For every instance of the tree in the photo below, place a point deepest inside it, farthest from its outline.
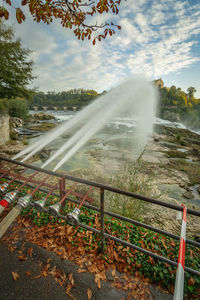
(15, 68)
(73, 14)
(191, 90)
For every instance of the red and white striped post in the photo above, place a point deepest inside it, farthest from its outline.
(179, 284)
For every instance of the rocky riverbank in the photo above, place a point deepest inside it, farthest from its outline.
(21, 131)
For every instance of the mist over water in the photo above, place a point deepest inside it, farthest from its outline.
(135, 98)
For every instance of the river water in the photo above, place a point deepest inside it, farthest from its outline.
(116, 139)
(108, 150)
(105, 153)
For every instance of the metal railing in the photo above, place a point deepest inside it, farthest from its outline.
(102, 188)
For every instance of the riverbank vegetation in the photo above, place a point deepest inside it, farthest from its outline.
(182, 106)
(73, 97)
(16, 73)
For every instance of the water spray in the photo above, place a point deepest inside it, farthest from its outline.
(65, 127)
(73, 217)
(134, 97)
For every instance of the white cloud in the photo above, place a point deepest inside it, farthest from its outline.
(157, 38)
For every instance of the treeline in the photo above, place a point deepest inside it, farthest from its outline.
(184, 104)
(74, 97)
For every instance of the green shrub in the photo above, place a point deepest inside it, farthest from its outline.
(2, 107)
(17, 108)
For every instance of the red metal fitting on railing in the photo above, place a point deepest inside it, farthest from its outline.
(4, 203)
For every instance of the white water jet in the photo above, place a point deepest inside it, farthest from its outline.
(65, 127)
(135, 98)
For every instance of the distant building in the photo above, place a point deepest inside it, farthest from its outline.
(159, 83)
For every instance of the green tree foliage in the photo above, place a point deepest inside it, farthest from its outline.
(18, 108)
(191, 90)
(14, 107)
(74, 97)
(15, 66)
(175, 100)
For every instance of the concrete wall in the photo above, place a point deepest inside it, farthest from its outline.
(4, 129)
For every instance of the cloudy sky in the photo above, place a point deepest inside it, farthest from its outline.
(159, 38)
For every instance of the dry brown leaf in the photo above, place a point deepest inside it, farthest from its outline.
(72, 296)
(22, 257)
(93, 269)
(98, 280)
(70, 277)
(116, 256)
(53, 271)
(28, 273)
(191, 281)
(37, 276)
(30, 252)
(12, 249)
(15, 276)
(68, 289)
(44, 273)
(69, 230)
(89, 293)
(113, 272)
(81, 270)
(99, 283)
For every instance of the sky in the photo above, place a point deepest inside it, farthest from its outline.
(158, 39)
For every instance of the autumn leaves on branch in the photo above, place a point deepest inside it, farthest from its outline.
(75, 14)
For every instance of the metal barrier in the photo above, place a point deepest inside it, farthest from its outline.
(102, 188)
(179, 283)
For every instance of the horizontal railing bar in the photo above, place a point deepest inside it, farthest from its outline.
(57, 195)
(24, 178)
(166, 260)
(82, 225)
(188, 241)
(150, 228)
(108, 188)
(156, 256)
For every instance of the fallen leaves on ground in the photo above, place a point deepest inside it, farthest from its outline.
(82, 247)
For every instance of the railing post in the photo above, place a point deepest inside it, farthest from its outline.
(102, 218)
(62, 187)
(179, 283)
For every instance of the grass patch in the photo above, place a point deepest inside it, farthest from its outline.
(176, 154)
(45, 126)
(132, 179)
